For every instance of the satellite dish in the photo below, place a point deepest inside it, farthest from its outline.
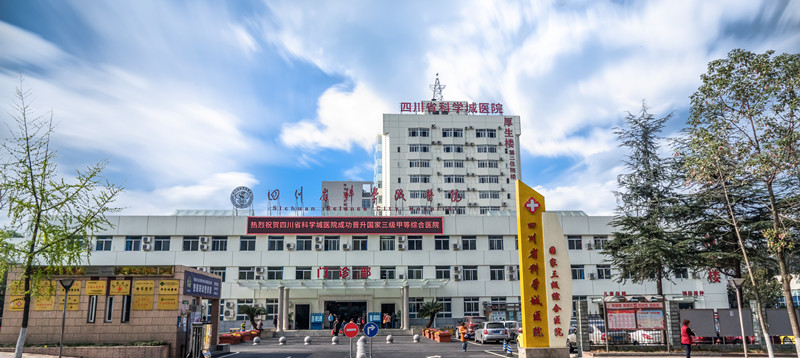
(241, 197)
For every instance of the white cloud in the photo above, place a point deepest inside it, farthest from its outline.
(359, 172)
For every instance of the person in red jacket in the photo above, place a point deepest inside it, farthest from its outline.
(686, 337)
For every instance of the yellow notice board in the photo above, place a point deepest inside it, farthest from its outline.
(119, 288)
(168, 287)
(75, 290)
(142, 303)
(16, 303)
(43, 303)
(167, 302)
(72, 304)
(16, 288)
(144, 288)
(96, 288)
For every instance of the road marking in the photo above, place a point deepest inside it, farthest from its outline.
(229, 354)
(499, 355)
(433, 357)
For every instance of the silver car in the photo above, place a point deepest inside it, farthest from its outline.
(491, 331)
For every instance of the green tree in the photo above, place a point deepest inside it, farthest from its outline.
(252, 312)
(644, 248)
(430, 310)
(744, 131)
(55, 215)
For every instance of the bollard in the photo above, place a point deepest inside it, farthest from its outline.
(508, 350)
(505, 345)
(389, 339)
(282, 341)
(307, 340)
(256, 341)
(361, 352)
(335, 340)
(416, 338)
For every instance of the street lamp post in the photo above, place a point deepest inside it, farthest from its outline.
(737, 285)
(67, 284)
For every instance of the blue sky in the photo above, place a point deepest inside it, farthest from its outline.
(191, 99)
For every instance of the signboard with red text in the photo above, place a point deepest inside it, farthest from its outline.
(257, 225)
(545, 277)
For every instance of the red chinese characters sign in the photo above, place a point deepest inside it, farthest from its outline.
(344, 225)
(447, 106)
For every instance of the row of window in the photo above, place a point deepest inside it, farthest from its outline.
(453, 132)
(451, 163)
(424, 178)
(450, 148)
(303, 243)
(575, 242)
(603, 272)
(466, 273)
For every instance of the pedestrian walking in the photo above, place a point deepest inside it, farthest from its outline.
(243, 326)
(686, 337)
(260, 325)
(462, 332)
(335, 330)
(275, 320)
(394, 320)
(330, 320)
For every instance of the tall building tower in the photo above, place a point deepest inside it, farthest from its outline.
(448, 158)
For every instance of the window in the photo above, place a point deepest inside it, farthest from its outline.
(472, 306)
(247, 243)
(489, 194)
(92, 316)
(495, 242)
(453, 163)
(161, 243)
(366, 203)
(219, 243)
(126, 309)
(455, 210)
(489, 209)
(247, 273)
(603, 272)
(452, 133)
(487, 164)
(359, 243)
(304, 243)
(419, 163)
(453, 148)
(414, 273)
(414, 243)
(219, 271)
(680, 272)
(133, 243)
(468, 243)
(417, 194)
(443, 272)
(485, 133)
(419, 178)
(470, 273)
(109, 314)
(447, 303)
(488, 179)
(414, 304)
(487, 148)
(387, 272)
(360, 272)
(574, 242)
(387, 243)
(274, 273)
(453, 178)
(331, 272)
(419, 132)
(272, 309)
(191, 243)
(331, 243)
(419, 148)
(275, 243)
(302, 273)
(441, 242)
(600, 242)
(240, 316)
(455, 193)
(103, 243)
(577, 272)
(496, 273)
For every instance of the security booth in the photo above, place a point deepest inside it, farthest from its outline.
(117, 304)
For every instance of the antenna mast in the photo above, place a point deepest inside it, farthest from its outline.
(437, 89)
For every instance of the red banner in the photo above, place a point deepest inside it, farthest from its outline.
(344, 225)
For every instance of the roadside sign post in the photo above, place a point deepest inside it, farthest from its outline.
(370, 330)
(351, 330)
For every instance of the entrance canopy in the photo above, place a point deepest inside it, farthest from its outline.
(332, 284)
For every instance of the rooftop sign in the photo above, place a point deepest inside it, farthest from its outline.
(410, 225)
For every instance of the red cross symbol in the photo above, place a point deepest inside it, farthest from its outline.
(532, 205)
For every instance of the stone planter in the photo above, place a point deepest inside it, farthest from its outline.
(443, 337)
(229, 339)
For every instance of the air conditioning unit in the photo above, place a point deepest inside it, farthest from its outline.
(204, 269)
(401, 276)
(457, 268)
(230, 315)
(231, 305)
(258, 305)
(505, 204)
(318, 239)
(471, 127)
(203, 247)
(457, 277)
(318, 247)
(456, 247)
(501, 159)
(147, 239)
(259, 277)
(346, 247)
(439, 173)
(401, 246)
(259, 270)
(438, 158)
(502, 174)
(589, 246)
(147, 247)
(289, 246)
(512, 276)
(592, 276)
(438, 142)
(205, 239)
(433, 126)
(401, 239)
